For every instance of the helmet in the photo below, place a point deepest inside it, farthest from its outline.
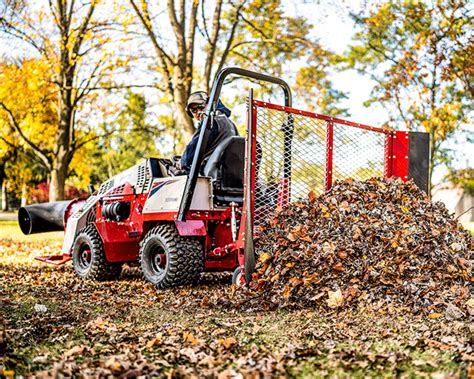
(198, 97)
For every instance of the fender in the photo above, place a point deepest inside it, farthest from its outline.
(191, 228)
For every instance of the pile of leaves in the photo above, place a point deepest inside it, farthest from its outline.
(375, 243)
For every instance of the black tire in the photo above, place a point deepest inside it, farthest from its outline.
(168, 259)
(88, 257)
(236, 277)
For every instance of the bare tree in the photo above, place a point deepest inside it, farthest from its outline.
(73, 35)
(178, 67)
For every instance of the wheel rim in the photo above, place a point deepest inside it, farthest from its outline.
(156, 260)
(84, 257)
(238, 281)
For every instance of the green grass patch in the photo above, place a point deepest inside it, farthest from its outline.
(9, 229)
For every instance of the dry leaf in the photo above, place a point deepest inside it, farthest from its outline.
(190, 339)
(155, 341)
(335, 299)
(312, 196)
(227, 342)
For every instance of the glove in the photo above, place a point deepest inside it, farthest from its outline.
(176, 171)
(176, 159)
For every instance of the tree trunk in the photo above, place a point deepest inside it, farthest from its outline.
(58, 179)
(5, 202)
(62, 147)
(183, 121)
(24, 195)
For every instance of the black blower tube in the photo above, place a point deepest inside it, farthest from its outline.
(42, 218)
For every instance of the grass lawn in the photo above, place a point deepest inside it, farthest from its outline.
(52, 323)
(9, 229)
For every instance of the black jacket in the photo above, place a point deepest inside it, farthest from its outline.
(222, 129)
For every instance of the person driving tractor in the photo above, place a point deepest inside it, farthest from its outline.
(223, 128)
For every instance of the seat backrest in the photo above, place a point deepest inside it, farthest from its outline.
(226, 166)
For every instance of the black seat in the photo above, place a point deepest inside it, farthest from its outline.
(226, 168)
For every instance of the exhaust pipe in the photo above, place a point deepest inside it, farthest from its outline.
(42, 218)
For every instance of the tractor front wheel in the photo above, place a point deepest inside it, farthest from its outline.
(168, 259)
(88, 257)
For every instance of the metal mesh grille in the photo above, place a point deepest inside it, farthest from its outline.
(357, 153)
(106, 186)
(292, 155)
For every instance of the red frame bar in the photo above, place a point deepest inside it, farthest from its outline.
(329, 154)
(388, 156)
(336, 120)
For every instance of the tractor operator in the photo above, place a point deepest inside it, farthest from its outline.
(223, 128)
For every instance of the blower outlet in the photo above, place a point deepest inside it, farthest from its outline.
(117, 211)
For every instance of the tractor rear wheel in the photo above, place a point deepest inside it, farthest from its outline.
(88, 257)
(168, 259)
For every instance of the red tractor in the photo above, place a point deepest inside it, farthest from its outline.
(176, 227)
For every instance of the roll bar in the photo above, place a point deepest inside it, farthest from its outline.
(208, 122)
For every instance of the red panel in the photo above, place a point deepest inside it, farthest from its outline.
(329, 153)
(222, 235)
(118, 245)
(191, 215)
(228, 263)
(191, 228)
(400, 148)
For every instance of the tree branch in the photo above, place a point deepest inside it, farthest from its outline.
(212, 40)
(163, 58)
(190, 44)
(10, 29)
(230, 40)
(14, 124)
(179, 34)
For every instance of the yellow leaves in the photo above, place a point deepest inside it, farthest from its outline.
(264, 257)
(435, 315)
(324, 211)
(329, 247)
(404, 209)
(470, 303)
(335, 299)
(299, 232)
(310, 279)
(190, 339)
(155, 341)
(357, 234)
(295, 281)
(274, 278)
(227, 343)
